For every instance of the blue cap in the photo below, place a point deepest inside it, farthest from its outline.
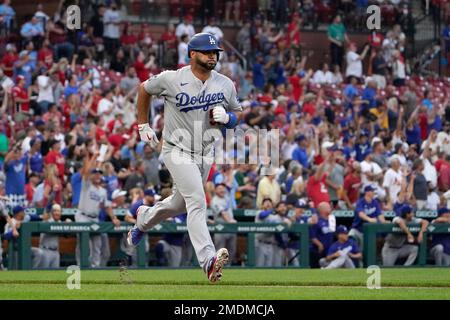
(254, 104)
(405, 210)
(39, 122)
(149, 192)
(341, 229)
(369, 188)
(344, 122)
(18, 209)
(301, 204)
(300, 138)
(364, 133)
(443, 211)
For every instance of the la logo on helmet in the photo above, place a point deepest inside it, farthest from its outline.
(211, 40)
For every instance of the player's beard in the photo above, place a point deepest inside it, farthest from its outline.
(206, 65)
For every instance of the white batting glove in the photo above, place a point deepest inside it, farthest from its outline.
(148, 135)
(220, 115)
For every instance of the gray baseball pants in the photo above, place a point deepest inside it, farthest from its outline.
(189, 176)
(390, 255)
(172, 253)
(440, 257)
(227, 240)
(264, 254)
(343, 261)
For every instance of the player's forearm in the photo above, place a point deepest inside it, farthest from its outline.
(364, 217)
(424, 225)
(401, 223)
(143, 103)
(355, 255)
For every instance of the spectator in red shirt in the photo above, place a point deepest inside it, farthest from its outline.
(30, 187)
(375, 39)
(443, 170)
(298, 79)
(142, 67)
(52, 186)
(316, 188)
(117, 122)
(45, 56)
(99, 131)
(293, 31)
(20, 96)
(169, 38)
(118, 139)
(309, 104)
(352, 184)
(8, 60)
(96, 97)
(54, 156)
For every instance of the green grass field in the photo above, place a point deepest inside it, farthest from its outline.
(432, 283)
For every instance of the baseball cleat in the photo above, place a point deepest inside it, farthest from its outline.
(216, 264)
(134, 236)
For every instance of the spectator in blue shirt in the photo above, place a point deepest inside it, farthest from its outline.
(24, 67)
(300, 153)
(8, 14)
(259, 78)
(350, 92)
(344, 253)
(33, 30)
(15, 167)
(368, 210)
(75, 182)
(363, 146)
(412, 130)
(73, 86)
(321, 234)
(34, 156)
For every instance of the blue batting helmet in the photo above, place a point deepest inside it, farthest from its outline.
(203, 42)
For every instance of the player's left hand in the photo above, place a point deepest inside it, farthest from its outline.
(220, 115)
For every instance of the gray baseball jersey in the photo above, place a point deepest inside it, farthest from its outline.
(219, 205)
(396, 240)
(187, 104)
(91, 200)
(49, 240)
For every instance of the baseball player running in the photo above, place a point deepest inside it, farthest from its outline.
(198, 102)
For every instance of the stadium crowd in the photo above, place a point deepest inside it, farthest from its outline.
(363, 133)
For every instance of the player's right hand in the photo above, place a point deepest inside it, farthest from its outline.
(148, 135)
